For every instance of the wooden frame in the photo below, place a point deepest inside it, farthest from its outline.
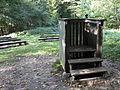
(76, 34)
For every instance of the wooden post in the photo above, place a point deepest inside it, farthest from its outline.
(99, 40)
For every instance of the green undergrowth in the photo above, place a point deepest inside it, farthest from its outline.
(111, 45)
(35, 47)
(56, 64)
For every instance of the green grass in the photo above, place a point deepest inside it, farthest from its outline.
(36, 47)
(56, 64)
(111, 45)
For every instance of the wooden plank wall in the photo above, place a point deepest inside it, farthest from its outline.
(80, 33)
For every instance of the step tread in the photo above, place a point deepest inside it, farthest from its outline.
(84, 60)
(81, 48)
(88, 79)
(87, 71)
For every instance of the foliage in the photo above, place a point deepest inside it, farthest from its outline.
(107, 9)
(39, 30)
(111, 45)
(56, 64)
(63, 10)
(19, 15)
(46, 12)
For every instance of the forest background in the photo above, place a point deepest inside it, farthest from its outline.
(19, 15)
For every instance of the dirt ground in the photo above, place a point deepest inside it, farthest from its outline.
(36, 73)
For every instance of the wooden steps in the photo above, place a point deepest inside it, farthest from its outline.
(86, 68)
(87, 71)
(84, 60)
(88, 74)
(84, 63)
(80, 49)
(88, 79)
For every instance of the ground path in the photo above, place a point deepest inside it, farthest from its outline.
(36, 73)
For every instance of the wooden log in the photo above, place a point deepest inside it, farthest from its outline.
(47, 38)
(16, 42)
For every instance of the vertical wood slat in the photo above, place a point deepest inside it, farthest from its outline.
(78, 34)
(99, 40)
(77, 29)
(70, 32)
(78, 37)
(75, 37)
(82, 37)
(73, 33)
(71, 36)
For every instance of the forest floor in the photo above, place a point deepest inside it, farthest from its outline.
(36, 73)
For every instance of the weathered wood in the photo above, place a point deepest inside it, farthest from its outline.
(99, 40)
(80, 49)
(16, 42)
(3, 37)
(80, 38)
(88, 79)
(47, 36)
(87, 71)
(7, 46)
(9, 39)
(50, 33)
(80, 19)
(84, 60)
(62, 42)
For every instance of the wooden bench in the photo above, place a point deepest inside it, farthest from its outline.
(9, 39)
(47, 36)
(16, 42)
(12, 44)
(3, 37)
(6, 42)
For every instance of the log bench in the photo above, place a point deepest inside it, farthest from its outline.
(12, 44)
(6, 42)
(48, 36)
(9, 39)
(3, 37)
